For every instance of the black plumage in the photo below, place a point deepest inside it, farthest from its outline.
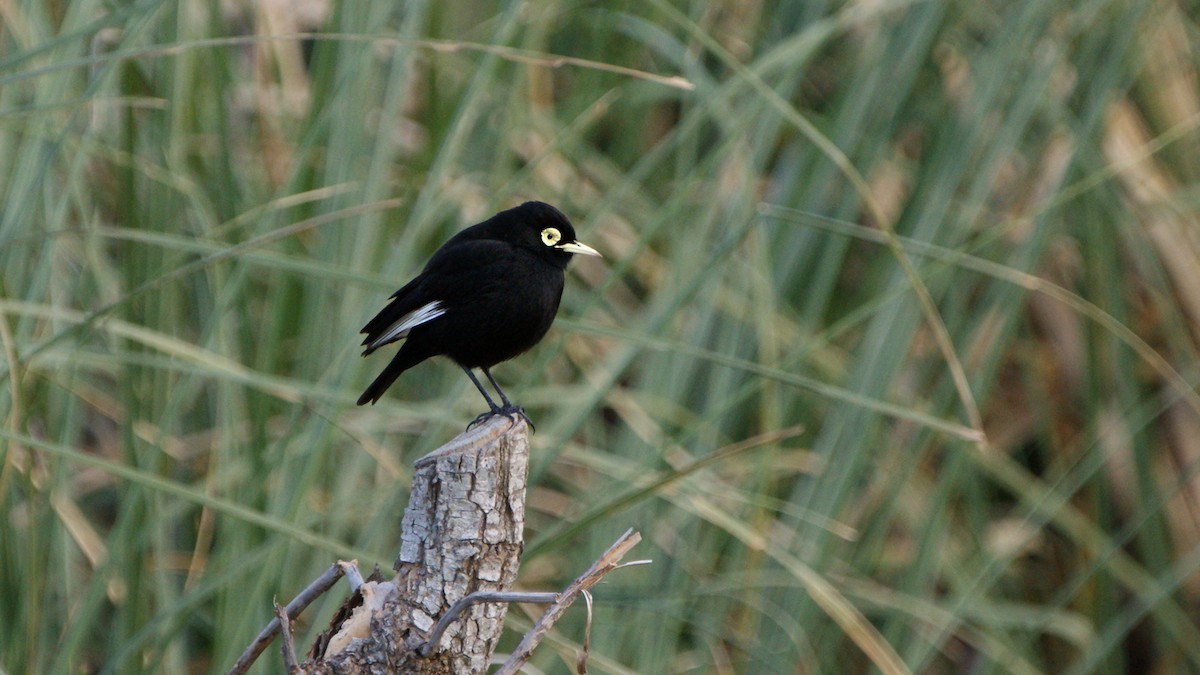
(487, 295)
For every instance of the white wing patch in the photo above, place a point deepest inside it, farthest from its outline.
(423, 314)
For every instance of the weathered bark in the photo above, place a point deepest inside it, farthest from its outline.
(462, 532)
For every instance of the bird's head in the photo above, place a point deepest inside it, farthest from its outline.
(545, 229)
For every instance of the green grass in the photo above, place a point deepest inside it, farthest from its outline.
(892, 356)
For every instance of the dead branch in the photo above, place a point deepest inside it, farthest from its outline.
(297, 605)
(608, 562)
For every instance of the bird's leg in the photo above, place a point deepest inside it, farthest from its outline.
(509, 408)
(507, 403)
(491, 404)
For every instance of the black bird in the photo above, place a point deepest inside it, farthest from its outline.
(487, 295)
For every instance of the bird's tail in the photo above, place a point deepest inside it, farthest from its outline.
(380, 385)
(402, 361)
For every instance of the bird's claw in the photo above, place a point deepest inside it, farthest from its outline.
(512, 412)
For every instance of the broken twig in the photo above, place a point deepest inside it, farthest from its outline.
(608, 562)
(297, 605)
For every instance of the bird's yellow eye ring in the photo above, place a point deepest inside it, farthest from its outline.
(551, 236)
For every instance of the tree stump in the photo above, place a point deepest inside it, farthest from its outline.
(462, 533)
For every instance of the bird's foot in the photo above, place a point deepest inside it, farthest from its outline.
(512, 412)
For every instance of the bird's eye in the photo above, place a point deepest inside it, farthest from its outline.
(551, 236)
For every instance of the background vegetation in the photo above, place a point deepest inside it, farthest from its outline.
(891, 358)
